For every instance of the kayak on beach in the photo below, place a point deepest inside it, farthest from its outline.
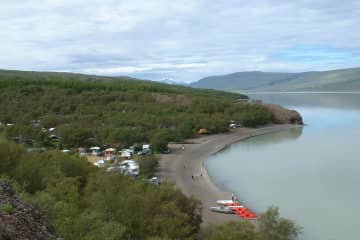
(225, 202)
(230, 206)
(222, 209)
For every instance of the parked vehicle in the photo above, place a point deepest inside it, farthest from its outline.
(155, 180)
(234, 125)
(130, 167)
(100, 163)
(146, 151)
(167, 151)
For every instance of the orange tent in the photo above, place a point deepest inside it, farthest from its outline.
(203, 131)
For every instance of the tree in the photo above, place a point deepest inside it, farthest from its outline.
(10, 155)
(274, 227)
(75, 135)
(241, 230)
(269, 226)
(160, 139)
(147, 164)
(143, 208)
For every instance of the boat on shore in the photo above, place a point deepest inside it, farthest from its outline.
(222, 209)
(229, 203)
(225, 202)
(230, 206)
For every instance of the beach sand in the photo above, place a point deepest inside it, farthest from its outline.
(181, 165)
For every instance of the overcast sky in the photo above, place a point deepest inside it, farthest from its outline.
(179, 40)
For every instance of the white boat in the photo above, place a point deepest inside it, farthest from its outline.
(236, 206)
(225, 202)
(222, 209)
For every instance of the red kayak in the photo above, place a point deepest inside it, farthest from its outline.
(238, 209)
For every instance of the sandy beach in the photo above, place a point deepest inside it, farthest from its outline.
(185, 167)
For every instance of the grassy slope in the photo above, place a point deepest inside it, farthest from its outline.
(241, 80)
(336, 80)
(123, 83)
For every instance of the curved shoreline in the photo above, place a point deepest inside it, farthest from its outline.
(186, 167)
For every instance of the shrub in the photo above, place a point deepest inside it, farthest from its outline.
(7, 208)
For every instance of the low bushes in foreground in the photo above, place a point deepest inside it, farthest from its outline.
(270, 226)
(83, 202)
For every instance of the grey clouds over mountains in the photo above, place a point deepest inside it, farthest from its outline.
(178, 40)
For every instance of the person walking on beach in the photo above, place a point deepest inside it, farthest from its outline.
(183, 147)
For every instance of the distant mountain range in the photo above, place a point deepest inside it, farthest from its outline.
(335, 80)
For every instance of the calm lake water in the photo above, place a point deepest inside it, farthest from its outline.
(312, 173)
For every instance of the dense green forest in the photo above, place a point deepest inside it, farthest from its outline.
(84, 202)
(91, 110)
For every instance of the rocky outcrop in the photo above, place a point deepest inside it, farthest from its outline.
(284, 115)
(19, 220)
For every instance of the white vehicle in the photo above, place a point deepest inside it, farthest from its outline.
(126, 152)
(134, 170)
(234, 125)
(130, 167)
(95, 151)
(155, 180)
(146, 151)
(100, 163)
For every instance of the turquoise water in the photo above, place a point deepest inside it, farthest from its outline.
(312, 173)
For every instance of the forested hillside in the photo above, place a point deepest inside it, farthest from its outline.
(83, 202)
(85, 110)
(54, 111)
(335, 80)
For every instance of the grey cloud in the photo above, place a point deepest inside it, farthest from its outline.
(141, 36)
(103, 59)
